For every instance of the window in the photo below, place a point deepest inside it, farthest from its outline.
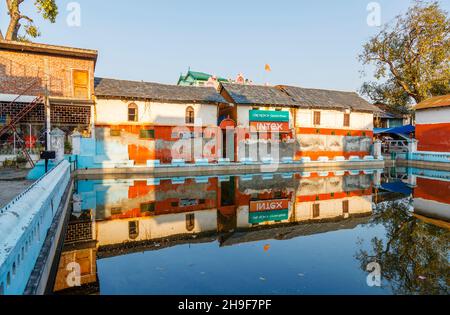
(80, 84)
(345, 206)
(115, 132)
(148, 207)
(346, 120)
(147, 134)
(190, 117)
(316, 210)
(190, 222)
(132, 112)
(116, 211)
(316, 118)
(133, 229)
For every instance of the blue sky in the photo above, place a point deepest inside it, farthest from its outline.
(307, 43)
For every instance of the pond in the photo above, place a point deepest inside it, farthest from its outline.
(331, 232)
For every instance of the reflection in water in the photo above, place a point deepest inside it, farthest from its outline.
(413, 256)
(157, 217)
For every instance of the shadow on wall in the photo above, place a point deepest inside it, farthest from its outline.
(16, 78)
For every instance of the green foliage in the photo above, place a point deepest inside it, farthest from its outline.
(411, 57)
(21, 159)
(67, 147)
(413, 256)
(32, 30)
(48, 9)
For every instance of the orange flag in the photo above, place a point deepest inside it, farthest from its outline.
(268, 69)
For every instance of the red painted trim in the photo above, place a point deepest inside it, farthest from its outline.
(337, 196)
(433, 137)
(336, 132)
(314, 155)
(432, 189)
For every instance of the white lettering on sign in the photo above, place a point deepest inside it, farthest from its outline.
(271, 126)
(278, 205)
(269, 205)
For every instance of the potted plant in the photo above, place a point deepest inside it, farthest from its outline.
(67, 147)
(21, 161)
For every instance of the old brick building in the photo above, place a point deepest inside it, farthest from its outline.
(58, 80)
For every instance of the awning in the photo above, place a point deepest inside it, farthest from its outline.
(398, 187)
(403, 130)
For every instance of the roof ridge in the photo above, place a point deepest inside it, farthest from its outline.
(155, 83)
(317, 89)
(43, 45)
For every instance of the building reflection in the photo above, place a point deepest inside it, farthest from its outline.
(122, 216)
(431, 196)
(429, 191)
(414, 253)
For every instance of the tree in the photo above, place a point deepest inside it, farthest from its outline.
(411, 57)
(47, 8)
(413, 256)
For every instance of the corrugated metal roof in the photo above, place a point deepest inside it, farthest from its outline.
(156, 91)
(437, 101)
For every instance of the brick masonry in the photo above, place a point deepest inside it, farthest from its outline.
(19, 70)
(44, 71)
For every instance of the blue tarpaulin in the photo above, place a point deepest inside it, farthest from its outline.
(403, 130)
(398, 187)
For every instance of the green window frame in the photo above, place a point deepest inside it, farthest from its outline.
(148, 207)
(115, 132)
(147, 134)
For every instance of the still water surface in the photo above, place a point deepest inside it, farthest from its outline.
(290, 233)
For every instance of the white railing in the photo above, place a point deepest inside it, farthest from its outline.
(395, 146)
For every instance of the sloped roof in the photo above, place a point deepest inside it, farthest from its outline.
(437, 101)
(386, 112)
(48, 49)
(258, 95)
(156, 91)
(317, 98)
(198, 76)
(202, 76)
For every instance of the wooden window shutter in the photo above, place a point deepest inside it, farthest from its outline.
(316, 118)
(81, 84)
(316, 210)
(345, 207)
(346, 120)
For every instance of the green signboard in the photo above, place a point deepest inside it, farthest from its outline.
(269, 116)
(268, 216)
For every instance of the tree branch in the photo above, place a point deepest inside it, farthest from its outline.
(15, 15)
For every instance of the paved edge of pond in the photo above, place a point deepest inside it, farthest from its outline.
(441, 166)
(12, 183)
(232, 169)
